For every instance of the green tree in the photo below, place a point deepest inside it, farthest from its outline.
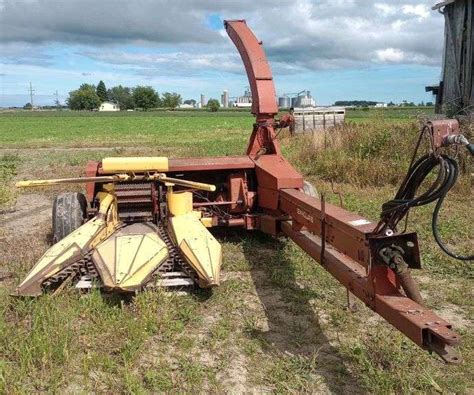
(84, 98)
(170, 100)
(213, 105)
(145, 97)
(102, 91)
(190, 101)
(122, 95)
(28, 106)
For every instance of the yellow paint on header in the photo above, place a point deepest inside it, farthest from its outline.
(180, 203)
(134, 164)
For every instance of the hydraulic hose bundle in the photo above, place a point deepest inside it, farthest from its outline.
(393, 211)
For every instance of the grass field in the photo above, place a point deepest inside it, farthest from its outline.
(278, 323)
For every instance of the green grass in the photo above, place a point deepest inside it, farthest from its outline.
(394, 114)
(8, 169)
(221, 134)
(278, 323)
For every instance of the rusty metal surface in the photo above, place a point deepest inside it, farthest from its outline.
(92, 167)
(346, 270)
(346, 231)
(421, 325)
(237, 192)
(263, 139)
(135, 201)
(258, 69)
(274, 172)
(410, 253)
(267, 198)
(205, 164)
(441, 129)
(410, 286)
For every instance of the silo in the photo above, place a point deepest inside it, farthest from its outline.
(305, 100)
(284, 102)
(225, 98)
(203, 101)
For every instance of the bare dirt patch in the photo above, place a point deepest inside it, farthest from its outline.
(456, 316)
(30, 212)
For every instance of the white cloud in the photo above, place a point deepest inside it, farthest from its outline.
(385, 9)
(398, 24)
(420, 10)
(297, 34)
(390, 55)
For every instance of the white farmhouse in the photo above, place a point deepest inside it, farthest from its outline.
(108, 106)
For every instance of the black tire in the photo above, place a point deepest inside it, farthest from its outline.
(309, 189)
(69, 212)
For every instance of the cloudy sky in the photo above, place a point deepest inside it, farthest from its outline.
(337, 49)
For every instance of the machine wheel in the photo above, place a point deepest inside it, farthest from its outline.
(309, 189)
(69, 212)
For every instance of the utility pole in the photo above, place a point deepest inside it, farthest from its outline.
(31, 95)
(56, 95)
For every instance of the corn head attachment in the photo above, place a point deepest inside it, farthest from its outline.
(144, 222)
(127, 255)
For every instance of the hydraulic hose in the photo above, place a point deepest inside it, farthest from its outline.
(396, 209)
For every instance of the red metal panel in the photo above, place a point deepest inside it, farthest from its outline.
(419, 324)
(92, 167)
(347, 271)
(267, 198)
(414, 320)
(257, 67)
(346, 231)
(274, 172)
(217, 163)
(441, 129)
(269, 224)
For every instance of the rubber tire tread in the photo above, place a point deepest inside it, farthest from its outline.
(69, 212)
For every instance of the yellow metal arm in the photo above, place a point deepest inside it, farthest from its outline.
(118, 178)
(186, 183)
(57, 181)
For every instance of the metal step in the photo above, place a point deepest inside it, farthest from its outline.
(175, 282)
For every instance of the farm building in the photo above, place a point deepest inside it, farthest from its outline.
(455, 92)
(185, 106)
(108, 106)
(311, 119)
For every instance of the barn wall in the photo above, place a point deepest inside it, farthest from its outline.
(457, 91)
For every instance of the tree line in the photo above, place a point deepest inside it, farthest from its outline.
(90, 97)
(368, 103)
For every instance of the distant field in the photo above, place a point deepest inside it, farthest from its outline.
(221, 133)
(402, 114)
(277, 324)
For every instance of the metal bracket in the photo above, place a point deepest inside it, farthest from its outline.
(406, 243)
